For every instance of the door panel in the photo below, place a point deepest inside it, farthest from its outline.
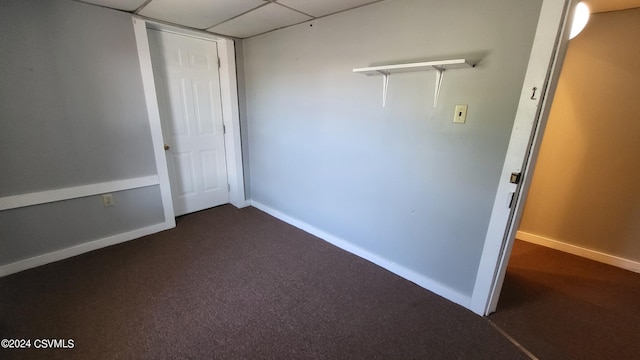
(209, 171)
(542, 72)
(202, 95)
(188, 87)
(184, 184)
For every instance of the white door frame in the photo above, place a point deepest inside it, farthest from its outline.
(545, 63)
(230, 111)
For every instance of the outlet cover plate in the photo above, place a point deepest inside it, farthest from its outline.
(107, 200)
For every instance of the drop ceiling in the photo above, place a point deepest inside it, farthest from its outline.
(246, 18)
(235, 18)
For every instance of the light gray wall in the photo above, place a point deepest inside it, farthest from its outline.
(35, 230)
(71, 99)
(72, 112)
(244, 126)
(402, 182)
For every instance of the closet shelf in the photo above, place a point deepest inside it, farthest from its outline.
(439, 66)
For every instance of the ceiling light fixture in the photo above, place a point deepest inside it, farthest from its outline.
(580, 19)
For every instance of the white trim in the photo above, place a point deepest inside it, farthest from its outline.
(178, 30)
(421, 280)
(80, 249)
(73, 192)
(231, 118)
(595, 255)
(542, 73)
(148, 83)
(230, 111)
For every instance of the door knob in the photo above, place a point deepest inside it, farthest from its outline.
(167, 147)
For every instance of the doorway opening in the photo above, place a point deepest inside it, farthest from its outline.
(228, 100)
(188, 87)
(573, 280)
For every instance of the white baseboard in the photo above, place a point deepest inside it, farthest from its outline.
(241, 204)
(580, 251)
(395, 268)
(39, 260)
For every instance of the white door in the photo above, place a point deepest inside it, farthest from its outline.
(535, 101)
(187, 82)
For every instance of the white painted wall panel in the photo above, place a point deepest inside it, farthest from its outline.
(403, 182)
(71, 98)
(36, 230)
(73, 116)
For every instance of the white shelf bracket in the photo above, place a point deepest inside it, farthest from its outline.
(439, 66)
(439, 76)
(385, 87)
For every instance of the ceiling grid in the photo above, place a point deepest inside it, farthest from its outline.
(247, 18)
(234, 18)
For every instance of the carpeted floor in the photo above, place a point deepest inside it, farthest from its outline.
(561, 306)
(235, 284)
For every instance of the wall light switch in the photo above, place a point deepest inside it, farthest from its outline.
(460, 117)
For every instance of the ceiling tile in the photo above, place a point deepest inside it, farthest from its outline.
(126, 5)
(199, 14)
(269, 17)
(325, 7)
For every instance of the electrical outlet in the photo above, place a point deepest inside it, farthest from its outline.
(107, 200)
(460, 117)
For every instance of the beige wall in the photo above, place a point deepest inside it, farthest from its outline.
(586, 186)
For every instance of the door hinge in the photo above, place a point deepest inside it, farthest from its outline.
(224, 129)
(228, 187)
(219, 63)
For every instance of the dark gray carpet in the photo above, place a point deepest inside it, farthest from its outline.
(236, 284)
(561, 306)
